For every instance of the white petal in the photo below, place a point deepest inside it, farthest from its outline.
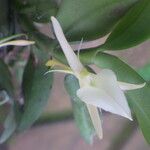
(17, 43)
(129, 86)
(72, 59)
(95, 117)
(101, 99)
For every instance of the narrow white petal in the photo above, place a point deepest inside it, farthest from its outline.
(72, 59)
(95, 117)
(99, 98)
(17, 43)
(129, 86)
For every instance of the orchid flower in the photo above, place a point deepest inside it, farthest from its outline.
(98, 91)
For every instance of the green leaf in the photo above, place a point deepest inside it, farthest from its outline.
(139, 99)
(36, 90)
(90, 19)
(39, 10)
(123, 71)
(132, 29)
(9, 126)
(81, 113)
(5, 79)
(42, 42)
(141, 105)
(145, 72)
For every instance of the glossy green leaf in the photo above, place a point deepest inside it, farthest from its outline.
(139, 99)
(5, 79)
(81, 113)
(36, 90)
(132, 29)
(89, 19)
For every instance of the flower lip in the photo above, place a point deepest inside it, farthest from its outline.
(99, 98)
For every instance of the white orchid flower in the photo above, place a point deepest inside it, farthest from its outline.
(98, 91)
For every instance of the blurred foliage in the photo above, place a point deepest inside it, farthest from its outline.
(9, 126)
(91, 19)
(132, 29)
(4, 18)
(36, 88)
(6, 79)
(38, 10)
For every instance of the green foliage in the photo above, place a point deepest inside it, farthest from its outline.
(81, 113)
(91, 19)
(4, 22)
(132, 29)
(145, 72)
(36, 90)
(42, 42)
(38, 10)
(9, 126)
(141, 105)
(5, 79)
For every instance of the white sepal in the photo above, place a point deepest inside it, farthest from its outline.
(71, 57)
(128, 86)
(95, 117)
